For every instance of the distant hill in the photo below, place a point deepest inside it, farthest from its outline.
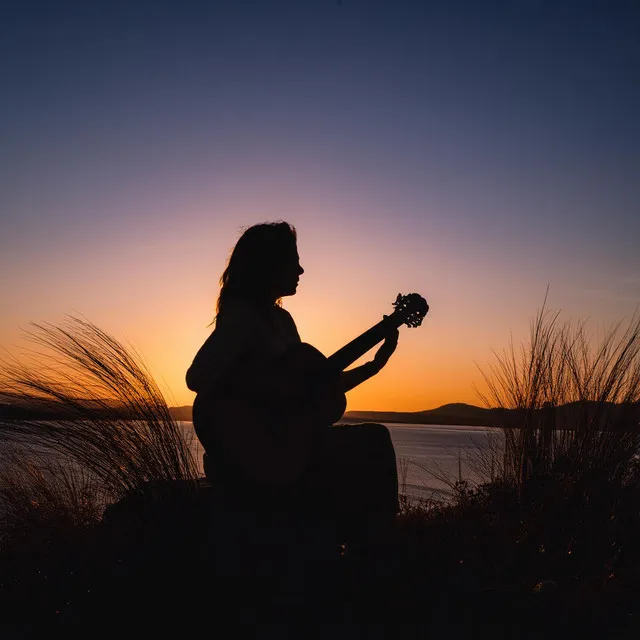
(628, 416)
(453, 414)
(16, 407)
(181, 413)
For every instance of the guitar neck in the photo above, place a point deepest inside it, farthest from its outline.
(348, 354)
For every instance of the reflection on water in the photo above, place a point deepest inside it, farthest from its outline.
(430, 457)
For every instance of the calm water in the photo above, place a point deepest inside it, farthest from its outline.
(430, 456)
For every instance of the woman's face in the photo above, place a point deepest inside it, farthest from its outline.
(286, 279)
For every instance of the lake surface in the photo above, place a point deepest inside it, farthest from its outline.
(430, 457)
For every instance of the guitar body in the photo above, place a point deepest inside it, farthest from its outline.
(313, 382)
(309, 390)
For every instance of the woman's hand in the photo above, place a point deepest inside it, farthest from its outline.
(353, 377)
(386, 349)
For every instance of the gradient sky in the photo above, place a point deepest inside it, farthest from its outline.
(472, 152)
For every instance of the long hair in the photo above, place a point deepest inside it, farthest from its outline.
(254, 263)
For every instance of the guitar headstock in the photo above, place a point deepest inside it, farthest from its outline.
(410, 309)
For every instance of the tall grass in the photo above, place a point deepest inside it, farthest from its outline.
(571, 409)
(42, 497)
(573, 400)
(111, 432)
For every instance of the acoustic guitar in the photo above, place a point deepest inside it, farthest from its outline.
(311, 378)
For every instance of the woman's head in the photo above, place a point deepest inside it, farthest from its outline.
(263, 266)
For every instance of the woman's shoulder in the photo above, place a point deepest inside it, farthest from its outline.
(282, 312)
(237, 313)
(242, 313)
(285, 320)
(283, 315)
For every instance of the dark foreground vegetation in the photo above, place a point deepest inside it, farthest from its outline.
(562, 565)
(117, 536)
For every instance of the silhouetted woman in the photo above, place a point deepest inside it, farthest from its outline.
(268, 447)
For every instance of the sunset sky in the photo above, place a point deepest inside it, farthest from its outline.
(472, 152)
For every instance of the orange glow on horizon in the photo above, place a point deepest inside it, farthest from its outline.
(423, 373)
(160, 296)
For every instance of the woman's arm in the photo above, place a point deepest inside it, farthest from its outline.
(353, 377)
